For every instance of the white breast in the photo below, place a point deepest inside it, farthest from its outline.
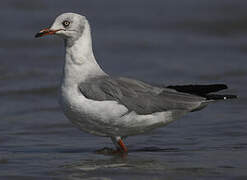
(96, 117)
(109, 118)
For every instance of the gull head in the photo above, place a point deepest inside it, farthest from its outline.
(67, 26)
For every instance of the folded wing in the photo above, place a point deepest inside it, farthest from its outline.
(139, 96)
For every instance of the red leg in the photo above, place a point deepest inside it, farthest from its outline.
(122, 145)
(118, 142)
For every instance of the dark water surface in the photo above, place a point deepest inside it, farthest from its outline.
(169, 42)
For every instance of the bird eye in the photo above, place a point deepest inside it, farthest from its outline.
(66, 23)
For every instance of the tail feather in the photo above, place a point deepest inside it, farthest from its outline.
(204, 90)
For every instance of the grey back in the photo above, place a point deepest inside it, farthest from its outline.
(138, 96)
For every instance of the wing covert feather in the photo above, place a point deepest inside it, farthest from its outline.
(138, 96)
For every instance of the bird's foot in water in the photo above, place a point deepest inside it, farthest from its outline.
(110, 151)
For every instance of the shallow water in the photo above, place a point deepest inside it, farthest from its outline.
(169, 42)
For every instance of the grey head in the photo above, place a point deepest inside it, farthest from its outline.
(69, 26)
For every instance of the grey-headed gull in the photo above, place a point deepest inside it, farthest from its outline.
(116, 107)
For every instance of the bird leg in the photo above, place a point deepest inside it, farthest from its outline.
(118, 142)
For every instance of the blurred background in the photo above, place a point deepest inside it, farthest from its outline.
(166, 42)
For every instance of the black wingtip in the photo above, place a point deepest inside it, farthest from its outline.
(199, 89)
(220, 96)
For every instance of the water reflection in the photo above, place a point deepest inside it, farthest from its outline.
(135, 166)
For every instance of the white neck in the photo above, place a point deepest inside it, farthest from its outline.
(80, 63)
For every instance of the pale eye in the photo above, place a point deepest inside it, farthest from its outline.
(66, 23)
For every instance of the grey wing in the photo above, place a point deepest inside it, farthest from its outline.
(139, 96)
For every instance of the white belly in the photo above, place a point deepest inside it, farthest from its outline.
(109, 118)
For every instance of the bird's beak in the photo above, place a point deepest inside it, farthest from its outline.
(45, 32)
